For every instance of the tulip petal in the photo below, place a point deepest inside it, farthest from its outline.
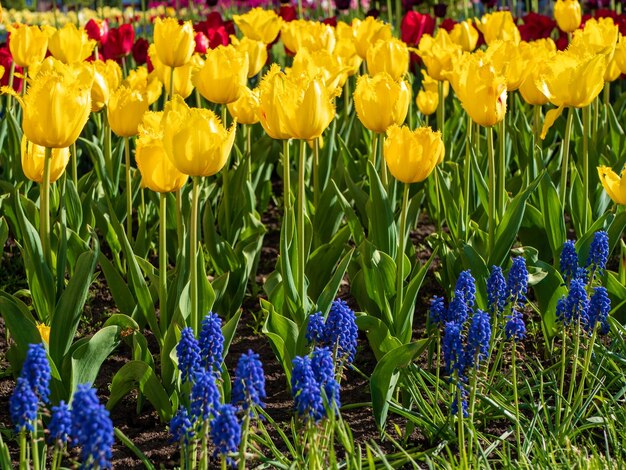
(551, 117)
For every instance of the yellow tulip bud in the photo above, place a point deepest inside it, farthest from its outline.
(125, 111)
(245, 109)
(411, 156)
(427, 102)
(481, 90)
(309, 108)
(44, 330)
(33, 159)
(107, 77)
(28, 44)
(612, 72)
(439, 54)
(391, 56)
(174, 42)
(57, 105)
(432, 85)
(507, 59)
(272, 95)
(259, 25)
(465, 35)
(614, 185)
(368, 32)
(310, 34)
(70, 44)
(256, 52)
(224, 72)
(498, 25)
(380, 101)
(568, 15)
(195, 140)
(157, 171)
(183, 75)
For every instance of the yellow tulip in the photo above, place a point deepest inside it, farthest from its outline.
(44, 330)
(599, 36)
(507, 59)
(310, 34)
(259, 24)
(256, 52)
(174, 42)
(498, 25)
(465, 35)
(70, 44)
(309, 107)
(481, 90)
(345, 52)
(411, 156)
(195, 140)
(320, 63)
(427, 102)
(28, 44)
(147, 83)
(368, 32)
(157, 171)
(245, 109)
(183, 84)
(33, 159)
(125, 111)
(535, 53)
(380, 101)
(620, 54)
(568, 15)
(56, 106)
(612, 71)
(272, 95)
(224, 72)
(432, 85)
(614, 185)
(391, 56)
(439, 54)
(107, 77)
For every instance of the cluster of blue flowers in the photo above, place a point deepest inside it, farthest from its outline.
(200, 363)
(337, 332)
(314, 386)
(586, 303)
(87, 424)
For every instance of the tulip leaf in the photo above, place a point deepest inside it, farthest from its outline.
(381, 226)
(554, 223)
(283, 334)
(20, 324)
(329, 293)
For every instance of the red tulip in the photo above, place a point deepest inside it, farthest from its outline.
(140, 51)
(536, 26)
(6, 60)
(447, 24)
(287, 12)
(97, 30)
(119, 42)
(415, 25)
(202, 43)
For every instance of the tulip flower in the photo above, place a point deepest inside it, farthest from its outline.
(183, 84)
(535, 53)
(427, 102)
(198, 145)
(259, 25)
(498, 25)
(174, 42)
(599, 36)
(140, 51)
(381, 102)
(272, 95)
(507, 59)
(391, 56)
(70, 44)
(368, 32)
(245, 109)
(310, 34)
(320, 63)
(346, 55)
(620, 54)
(432, 85)
(146, 83)
(118, 43)
(568, 15)
(415, 25)
(44, 332)
(614, 185)
(107, 78)
(97, 30)
(256, 52)
(439, 54)
(224, 72)
(33, 160)
(310, 108)
(28, 44)
(125, 111)
(465, 35)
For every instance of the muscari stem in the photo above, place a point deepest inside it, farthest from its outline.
(501, 167)
(518, 432)
(467, 176)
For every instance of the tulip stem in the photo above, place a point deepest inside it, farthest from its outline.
(286, 178)
(467, 175)
(501, 167)
(373, 155)
(107, 146)
(44, 208)
(538, 163)
(301, 213)
(193, 254)
(383, 166)
(492, 187)
(129, 192)
(441, 110)
(163, 260)
(565, 159)
(316, 176)
(226, 185)
(179, 220)
(400, 257)
(74, 166)
(586, 199)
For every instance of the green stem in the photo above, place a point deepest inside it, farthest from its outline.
(193, 254)
(301, 213)
(44, 209)
(204, 450)
(383, 165)
(583, 377)
(537, 162)
(163, 261)
(74, 166)
(316, 181)
(23, 463)
(501, 167)
(572, 383)
(223, 458)
(244, 441)
(400, 257)
(559, 397)
(374, 153)
(107, 146)
(565, 158)
(441, 111)
(35, 446)
(586, 198)
(466, 176)
(129, 192)
(492, 189)
(461, 429)
(286, 179)
(180, 229)
(518, 428)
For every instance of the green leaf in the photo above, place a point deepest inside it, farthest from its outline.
(123, 297)
(382, 227)
(20, 323)
(283, 334)
(552, 211)
(330, 290)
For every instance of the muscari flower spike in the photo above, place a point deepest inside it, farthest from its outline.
(478, 338)
(437, 313)
(341, 330)
(84, 400)
(188, 353)
(226, 431)
(249, 385)
(60, 425)
(452, 348)
(458, 311)
(181, 427)
(574, 307)
(212, 343)
(517, 283)
(569, 261)
(598, 254)
(23, 405)
(205, 396)
(496, 291)
(599, 308)
(36, 370)
(515, 328)
(306, 390)
(324, 372)
(315, 330)
(466, 287)
(454, 406)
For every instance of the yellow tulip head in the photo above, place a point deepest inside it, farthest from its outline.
(125, 111)
(498, 26)
(465, 35)
(44, 330)
(320, 63)
(157, 171)
(620, 54)
(174, 42)
(368, 32)
(224, 72)
(427, 102)
(28, 44)
(272, 95)
(568, 15)
(614, 185)
(507, 59)
(345, 52)
(310, 34)
(391, 56)
(259, 25)
(147, 83)
(183, 75)
(309, 108)
(481, 90)
(411, 156)
(70, 44)
(195, 140)
(245, 109)
(535, 53)
(432, 85)
(107, 77)
(33, 159)
(380, 101)
(599, 36)
(439, 54)
(256, 52)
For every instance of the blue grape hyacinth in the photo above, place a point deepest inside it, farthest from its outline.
(36, 370)
(249, 385)
(324, 372)
(341, 330)
(453, 349)
(212, 343)
(575, 307)
(188, 353)
(458, 310)
(316, 329)
(517, 282)
(598, 254)
(515, 328)
(307, 394)
(496, 291)
(181, 426)
(437, 313)
(478, 338)
(205, 396)
(60, 425)
(226, 431)
(23, 405)
(569, 261)
(466, 287)
(599, 308)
